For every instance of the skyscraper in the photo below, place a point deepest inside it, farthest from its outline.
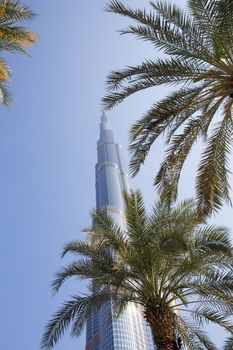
(129, 331)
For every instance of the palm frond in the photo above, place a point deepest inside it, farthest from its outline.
(14, 11)
(106, 233)
(228, 345)
(164, 35)
(78, 309)
(204, 314)
(168, 176)
(212, 180)
(135, 214)
(149, 74)
(211, 237)
(214, 20)
(205, 13)
(13, 38)
(159, 119)
(181, 19)
(5, 95)
(61, 320)
(192, 336)
(100, 263)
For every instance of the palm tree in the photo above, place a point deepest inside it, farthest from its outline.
(198, 48)
(13, 38)
(168, 263)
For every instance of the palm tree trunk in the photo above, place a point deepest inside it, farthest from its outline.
(163, 328)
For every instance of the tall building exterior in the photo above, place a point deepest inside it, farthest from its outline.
(104, 331)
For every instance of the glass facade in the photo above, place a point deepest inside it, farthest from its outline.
(103, 331)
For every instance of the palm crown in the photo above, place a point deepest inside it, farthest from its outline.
(198, 48)
(12, 38)
(164, 263)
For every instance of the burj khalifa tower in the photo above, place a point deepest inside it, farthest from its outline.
(129, 331)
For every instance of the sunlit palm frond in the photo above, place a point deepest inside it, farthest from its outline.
(13, 38)
(14, 11)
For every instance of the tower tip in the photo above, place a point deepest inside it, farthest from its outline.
(104, 117)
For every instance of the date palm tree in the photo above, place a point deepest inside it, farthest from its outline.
(13, 38)
(168, 263)
(197, 47)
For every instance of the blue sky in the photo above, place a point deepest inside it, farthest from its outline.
(48, 152)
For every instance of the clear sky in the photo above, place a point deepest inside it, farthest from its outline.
(48, 152)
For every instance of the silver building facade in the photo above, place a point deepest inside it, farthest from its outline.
(103, 331)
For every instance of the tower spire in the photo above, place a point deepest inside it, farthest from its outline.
(104, 118)
(104, 126)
